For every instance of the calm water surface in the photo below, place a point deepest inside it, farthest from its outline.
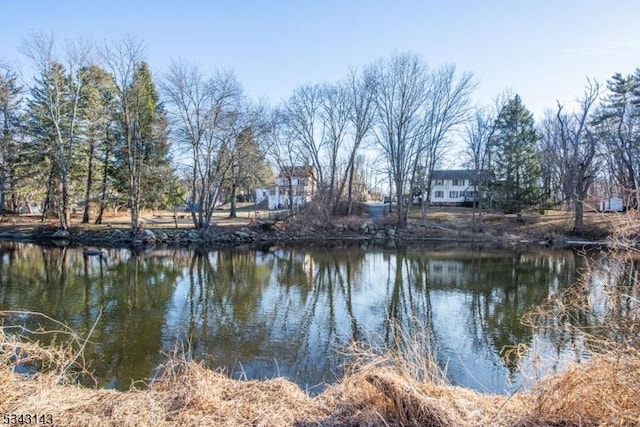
(286, 312)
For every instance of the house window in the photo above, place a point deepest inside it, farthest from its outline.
(439, 182)
(453, 194)
(438, 195)
(458, 182)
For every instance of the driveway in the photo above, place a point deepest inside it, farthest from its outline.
(375, 210)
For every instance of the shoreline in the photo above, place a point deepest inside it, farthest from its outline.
(265, 235)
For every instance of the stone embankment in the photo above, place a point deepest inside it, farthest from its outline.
(144, 238)
(266, 234)
(227, 236)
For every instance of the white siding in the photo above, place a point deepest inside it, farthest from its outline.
(449, 190)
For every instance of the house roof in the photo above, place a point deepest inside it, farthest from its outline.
(454, 174)
(303, 171)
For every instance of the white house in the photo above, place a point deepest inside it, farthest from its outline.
(455, 186)
(299, 180)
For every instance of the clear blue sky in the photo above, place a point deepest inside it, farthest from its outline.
(543, 49)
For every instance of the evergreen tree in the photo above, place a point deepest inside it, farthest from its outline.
(55, 123)
(142, 162)
(10, 126)
(53, 109)
(97, 104)
(157, 179)
(517, 160)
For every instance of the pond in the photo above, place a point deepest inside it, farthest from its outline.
(287, 311)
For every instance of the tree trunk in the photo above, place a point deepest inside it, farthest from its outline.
(87, 194)
(350, 191)
(233, 211)
(478, 205)
(402, 219)
(390, 194)
(578, 224)
(103, 193)
(426, 196)
(196, 219)
(65, 219)
(291, 207)
(134, 197)
(135, 219)
(47, 200)
(175, 216)
(3, 180)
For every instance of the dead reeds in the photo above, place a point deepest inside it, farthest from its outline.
(379, 391)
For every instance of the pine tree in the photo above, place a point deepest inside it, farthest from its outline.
(53, 124)
(10, 126)
(157, 178)
(97, 104)
(517, 160)
(142, 161)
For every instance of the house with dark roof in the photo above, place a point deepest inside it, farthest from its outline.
(453, 187)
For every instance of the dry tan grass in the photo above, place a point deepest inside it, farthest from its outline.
(600, 392)
(603, 391)
(399, 388)
(381, 395)
(194, 396)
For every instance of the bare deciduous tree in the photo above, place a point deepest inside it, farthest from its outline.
(281, 149)
(416, 111)
(303, 118)
(400, 87)
(479, 149)
(199, 107)
(479, 133)
(329, 123)
(447, 107)
(618, 124)
(244, 128)
(551, 173)
(361, 117)
(577, 149)
(334, 114)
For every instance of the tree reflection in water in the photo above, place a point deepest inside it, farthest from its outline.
(286, 311)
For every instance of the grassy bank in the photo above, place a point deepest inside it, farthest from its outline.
(376, 391)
